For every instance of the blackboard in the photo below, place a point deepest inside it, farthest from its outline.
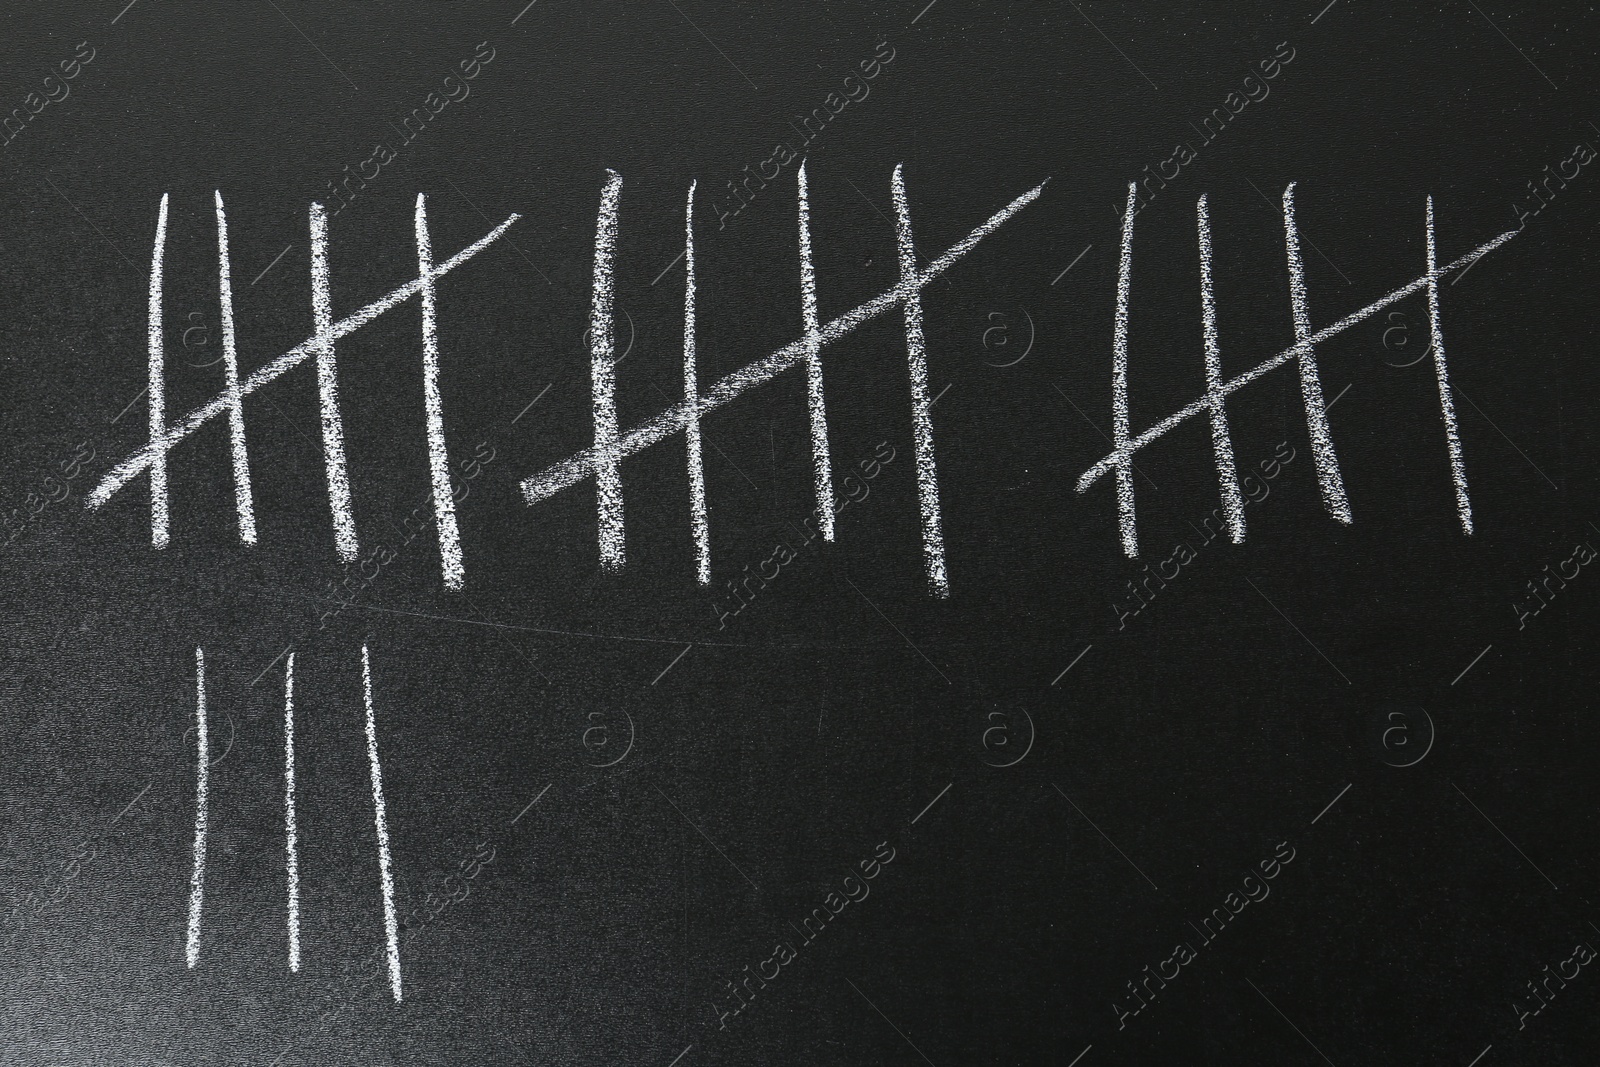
(1106, 581)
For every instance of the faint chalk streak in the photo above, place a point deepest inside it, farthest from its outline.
(710, 842)
(313, 44)
(1290, 1022)
(899, 631)
(132, 802)
(274, 263)
(674, 663)
(124, 11)
(713, 44)
(269, 666)
(132, 402)
(1102, 833)
(923, 12)
(886, 1019)
(657, 278)
(1324, 11)
(1473, 664)
(1074, 663)
(87, 219)
(532, 802)
(1331, 803)
(532, 402)
(1113, 44)
(1502, 833)
(1513, 44)
(1297, 630)
(931, 803)
(1074, 263)
(1480, 1056)
(1343, 391)
(1080, 1056)
(680, 1055)
(1509, 441)
(521, 13)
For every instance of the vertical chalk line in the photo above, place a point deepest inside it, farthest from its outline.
(235, 396)
(1329, 479)
(917, 363)
(444, 501)
(1221, 440)
(202, 772)
(1119, 384)
(603, 378)
(381, 819)
(291, 843)
(344, 527)
(158, 388)
(1458, 467)
(691, 399)
(813, 345)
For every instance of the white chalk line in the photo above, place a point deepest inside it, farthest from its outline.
(1329, 480)
(1458, 467)
(153, 454)
(1098, 470)
(1221, 440)
(243, 504)
(698, 522)
(381, 820)
(1119, 384)
(197, 876)
(575, 468)
(444, 502)
(603, 380)
(921, 416)
(815, 406)
(157, 388)
(344, 528)
(290, 834)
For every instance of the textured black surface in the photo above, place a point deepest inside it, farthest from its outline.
(747, 779)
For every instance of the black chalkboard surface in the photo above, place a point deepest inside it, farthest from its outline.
(680, 533)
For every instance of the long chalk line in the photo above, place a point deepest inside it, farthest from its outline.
(202, 768)
(1302, 352)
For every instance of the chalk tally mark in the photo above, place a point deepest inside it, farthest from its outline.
(1302, 353)
(318, 348)
(291, 840)
(202, 774)
(602, 461)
